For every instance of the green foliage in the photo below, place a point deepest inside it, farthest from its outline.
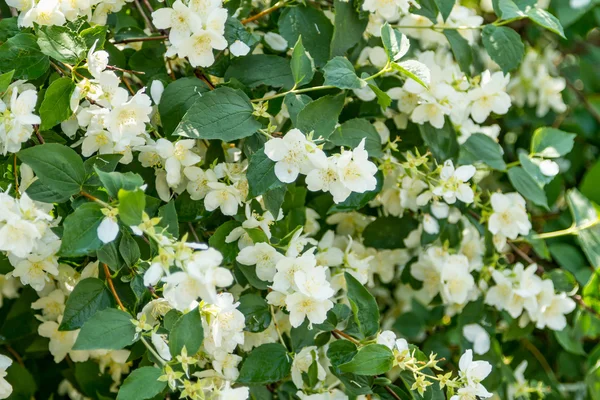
(266, 364)
(109, 329)
(186, 332)
(89, 296)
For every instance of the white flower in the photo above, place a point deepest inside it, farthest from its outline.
(452, 184)
(161, 346)
(549, 168)
(176, 155)
(5, 387)
(198, 48)
(239, 48)
(552, 308)
(473, 372)
(480, 338)
(108, 229)
(198, 180)
(97, 60)
(156, 90)
(34, 270)
(263, 256)
(22, 107)
(276, 41)
(52, 305)
(290, 154)
(226, 364)
(302, 363)
(387, 9)
(46, 12)
(302, 306)
(130, 118)
(325, 177)
(222, 196)
(456, 279)
(509, 218)
(180, 19)
(490, 97)
(355, 170)
(430, 224)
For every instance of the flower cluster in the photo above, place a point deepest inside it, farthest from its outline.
(340, 174)
(60, 12)
(16, 116)
(114, 122)
(196, 29)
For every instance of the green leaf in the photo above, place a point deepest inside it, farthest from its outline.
(567, 340)
(551, 143)
(109, 254)
(40, 192)
(364, 307)
(351, 132)
(584, 213)
(314, 27)
(442, 142)
(109, 329)
(531, 166)
(22, 54)
(57, 166)
(92, 34)
(295, 103)
(217, 240)
(62, 44)
(131, 206)
(445, 7)
(527, 186)
(480, 147)
(507, 9)
(80, 235)
(589, 184)
(261, 174)
(321, 115)
(177, 98)
(89, 296)
(461, 49)
(274, 199)
(261, 69)
(414, 70)
(115, 181)
(256, 311)
(372, 359)
(55, 108)
(142, 384)
(128, 249)
(224, 114)
(5, 80)
(339, 72)
(302, 64)
(348, 28)
(504, 46)
(265, 364)
(9, 27)
(168, 215)
(395, 43)
(546, 20)
(104, 162)
(383, 99)
(187, 331)
(389, 232)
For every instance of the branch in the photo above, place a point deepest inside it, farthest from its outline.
(112, 287)
(261, 14)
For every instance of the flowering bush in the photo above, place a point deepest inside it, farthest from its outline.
(326, 200)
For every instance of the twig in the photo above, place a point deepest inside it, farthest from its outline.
(193, 231)
(392, 393)
(16, 355)
(579, 300)
(125, 70)
(58, 69)
(38, 134)
(261, 14)
(200, 75)
(140, 39)
(540, 358)
(345, 336)
(126, 82)
(277, 327)
(144, 16)
(112, 287)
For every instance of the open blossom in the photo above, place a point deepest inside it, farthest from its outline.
(509, 218)
(263, 256)
(453, 184)
(5, 387)
(490, 97)
(290, 154)
(472, 373)
(357, 173)
(17, 118)
(477, 335)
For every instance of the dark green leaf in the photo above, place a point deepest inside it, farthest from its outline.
(89, 296)
(187, 331)
(257, 313)
(177, 98)
(61, 43)
(504, 46)
(265, 364)
(108, 329)
(302, 64)
(389, 232)
(261, 69)
(80, 233)
(55, 107)
(372, 359)
(224, 114)
(480, 147)
(22, 54)
(142, 384)
(339, 72)
(321, 115)
(527, 186)
(364, 307)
